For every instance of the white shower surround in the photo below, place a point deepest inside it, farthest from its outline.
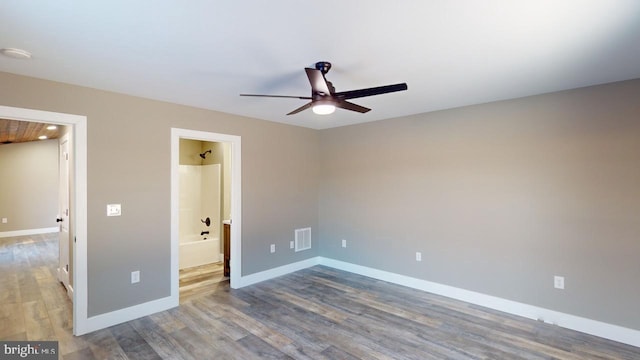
(199, 199)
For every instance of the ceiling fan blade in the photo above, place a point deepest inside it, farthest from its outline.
(301, 108)
(279, 96)
(351, 106)
(352, 94)
(318, 82)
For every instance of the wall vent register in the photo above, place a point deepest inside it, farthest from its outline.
(303, 239)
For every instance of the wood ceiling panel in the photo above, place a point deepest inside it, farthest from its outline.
(14, 131)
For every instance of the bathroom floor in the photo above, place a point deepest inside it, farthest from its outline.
(201, 280)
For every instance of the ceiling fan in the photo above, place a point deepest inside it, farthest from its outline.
(325, 99)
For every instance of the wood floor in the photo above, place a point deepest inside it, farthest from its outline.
(201, 280)
(33, 304)
(317, 313)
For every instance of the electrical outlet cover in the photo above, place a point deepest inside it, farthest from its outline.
(135, 277)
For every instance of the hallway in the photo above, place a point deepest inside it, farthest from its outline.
(33, 303)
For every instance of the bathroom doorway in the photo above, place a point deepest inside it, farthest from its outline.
(203, 171)
(205, 208)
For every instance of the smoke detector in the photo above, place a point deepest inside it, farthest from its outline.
(16, 53)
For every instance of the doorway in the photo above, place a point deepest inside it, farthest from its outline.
(228, 213)
(78, 194)
(204, 166)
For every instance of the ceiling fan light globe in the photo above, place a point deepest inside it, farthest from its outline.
(324, 109)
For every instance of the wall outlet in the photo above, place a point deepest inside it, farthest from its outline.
(5, 220)
(135, 276)
(418, 256)
(273, 248)
(292, 244)
(558, 282)
(344, 243)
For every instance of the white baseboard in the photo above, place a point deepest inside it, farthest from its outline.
(279, 271)
(589, 326)
(27, 232)
(106, 320)
(102, 321)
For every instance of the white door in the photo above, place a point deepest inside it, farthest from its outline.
(63, 213)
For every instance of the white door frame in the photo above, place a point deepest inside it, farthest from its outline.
(236, 203)
(78, 124)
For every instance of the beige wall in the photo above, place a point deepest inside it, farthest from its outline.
(129, 163)
(499, 198)
(29, 185)
(189, 150)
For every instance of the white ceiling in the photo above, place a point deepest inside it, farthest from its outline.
(204, 53)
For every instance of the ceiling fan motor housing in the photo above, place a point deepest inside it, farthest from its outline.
(323, 66)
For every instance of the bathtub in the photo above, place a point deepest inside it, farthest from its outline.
(194, 251)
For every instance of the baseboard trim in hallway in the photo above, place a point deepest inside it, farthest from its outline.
(27, 232)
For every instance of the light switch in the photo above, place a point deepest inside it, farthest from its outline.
(114, 210)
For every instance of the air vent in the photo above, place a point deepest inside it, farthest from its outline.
(303, 239)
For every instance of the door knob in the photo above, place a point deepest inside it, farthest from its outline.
(59, 220)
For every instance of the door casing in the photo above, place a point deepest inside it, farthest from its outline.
(78, 127)
(236, 203)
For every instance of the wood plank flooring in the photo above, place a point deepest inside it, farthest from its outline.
(317, 313)
(33, 303)
(201, 280)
